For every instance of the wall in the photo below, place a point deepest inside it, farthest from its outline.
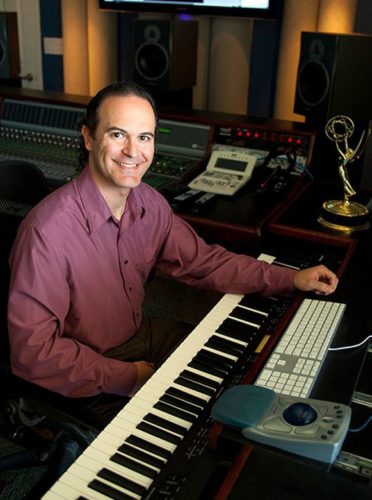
(52, 48)
(89, 45)
(229, 52)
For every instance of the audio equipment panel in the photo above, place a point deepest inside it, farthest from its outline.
(47, 135)
(265, 139)
(180, 149)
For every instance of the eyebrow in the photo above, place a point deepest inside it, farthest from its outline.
(112, 129)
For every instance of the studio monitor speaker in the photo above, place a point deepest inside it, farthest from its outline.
(9, 48)
(334, 76)
(165, 54)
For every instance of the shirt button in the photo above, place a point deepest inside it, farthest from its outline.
(130, 288)
(125, 262)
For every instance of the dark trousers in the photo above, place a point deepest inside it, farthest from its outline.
(153, 342)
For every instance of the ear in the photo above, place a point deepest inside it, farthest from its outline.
(87, 137)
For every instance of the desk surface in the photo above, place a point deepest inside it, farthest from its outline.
(269, 473)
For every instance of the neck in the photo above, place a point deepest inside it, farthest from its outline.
(115, 197)
(116, 202)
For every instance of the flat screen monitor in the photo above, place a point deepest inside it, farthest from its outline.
(266, 9)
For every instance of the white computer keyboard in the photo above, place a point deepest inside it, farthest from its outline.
(294, 365)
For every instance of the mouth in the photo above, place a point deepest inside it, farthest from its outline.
(123, 164)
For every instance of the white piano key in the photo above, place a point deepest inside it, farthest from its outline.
(117, 441)
(215, 351)
(173, 370)
(51, 495)
(146, 436)
(71, 488)
(151, 410)
(192, 378)
(206, 374)
(118, 488)
(162, 385)
(93, 459)
(147, 407)
(238, 341)
(124, 424)
(109, 449)
(85, 475)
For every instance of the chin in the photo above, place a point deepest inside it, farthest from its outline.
(130, 183)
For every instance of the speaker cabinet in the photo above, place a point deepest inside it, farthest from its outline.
(9, 48)
(165, 54)
(334, 76)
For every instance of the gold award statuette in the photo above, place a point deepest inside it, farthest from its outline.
(344, 215)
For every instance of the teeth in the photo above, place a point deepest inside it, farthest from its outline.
(129, 165)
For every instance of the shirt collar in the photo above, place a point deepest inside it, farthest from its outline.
(96, 209)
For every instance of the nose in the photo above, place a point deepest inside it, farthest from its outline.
(130, 147)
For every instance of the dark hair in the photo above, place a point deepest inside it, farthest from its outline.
(90, 118)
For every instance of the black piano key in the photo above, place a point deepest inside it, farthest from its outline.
(180, 403)
(195, 386)
(160, 433)
(217, 359)
(108, 491)
(233, 330)
(150, 447)
(234, 325)
(225, 345)
(214, 364)
(119, 480)
(206, 368)
(248, 315)
(131, 451)
(257, 302)
(187, 397)
(166, 424)
(133, 465)
(176, 412)
(199, 378)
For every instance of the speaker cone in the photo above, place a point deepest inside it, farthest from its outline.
(313, 83)
(152, 61)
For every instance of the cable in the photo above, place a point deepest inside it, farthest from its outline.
(363, 426)
(350, 346)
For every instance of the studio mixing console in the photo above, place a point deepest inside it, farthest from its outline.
(47, 135)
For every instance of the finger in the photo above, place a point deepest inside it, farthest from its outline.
(322, 288)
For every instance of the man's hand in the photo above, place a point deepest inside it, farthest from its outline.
(145, 371)
(316, 279)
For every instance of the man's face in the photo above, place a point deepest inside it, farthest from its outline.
(122, 148)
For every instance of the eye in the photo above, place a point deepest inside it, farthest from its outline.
(117, 134)
(146, 138)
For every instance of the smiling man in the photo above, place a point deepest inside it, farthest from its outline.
(83, 255)
(121, 147)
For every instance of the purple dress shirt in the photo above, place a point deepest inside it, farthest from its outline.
(77, 282)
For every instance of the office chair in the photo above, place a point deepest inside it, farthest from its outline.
(32, 416)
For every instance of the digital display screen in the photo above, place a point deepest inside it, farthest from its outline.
(243, 8)
(229, 164)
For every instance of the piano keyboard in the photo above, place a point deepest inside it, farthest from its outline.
(131, 457)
